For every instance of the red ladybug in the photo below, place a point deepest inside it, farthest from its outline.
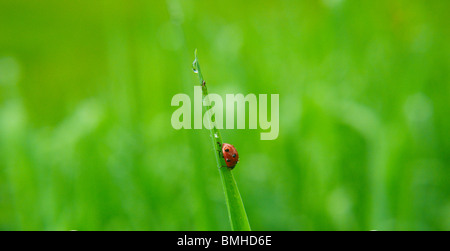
(230, 155)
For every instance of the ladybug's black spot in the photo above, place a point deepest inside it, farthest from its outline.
(234, 155)
(227, 150)
(228, 160)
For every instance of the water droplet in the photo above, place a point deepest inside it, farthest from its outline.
(216, 136)
(194, 66)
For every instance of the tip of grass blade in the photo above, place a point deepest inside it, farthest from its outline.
(196, 67)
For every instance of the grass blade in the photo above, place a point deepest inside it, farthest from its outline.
(236, 210)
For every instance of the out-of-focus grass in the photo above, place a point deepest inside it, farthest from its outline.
(86, 140)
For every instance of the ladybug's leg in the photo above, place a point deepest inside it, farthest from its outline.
(224, 166)
(220, 149)
(221, 153)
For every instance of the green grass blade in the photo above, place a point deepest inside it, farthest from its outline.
(236, 210)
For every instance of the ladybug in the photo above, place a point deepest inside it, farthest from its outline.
(230, 155)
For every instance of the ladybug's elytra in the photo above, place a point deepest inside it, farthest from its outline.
(230, 155)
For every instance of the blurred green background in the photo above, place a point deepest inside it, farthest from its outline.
(86, 141)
